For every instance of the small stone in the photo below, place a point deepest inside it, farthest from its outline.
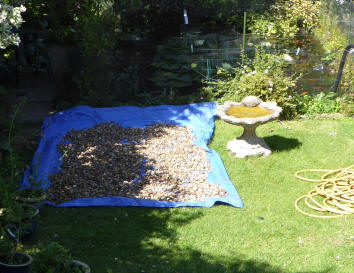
(251, 101)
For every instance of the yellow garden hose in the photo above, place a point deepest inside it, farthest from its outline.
(336, 192)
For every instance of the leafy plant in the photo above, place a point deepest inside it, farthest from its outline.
(19, 221)
(7, 245)
(14, 218)
(286, 18)
(58, 18)
(54, 258)
(12, 164)
(331, 37)
(31, 190)
(348, 105)
(10, 20)
(263, 76)
(15, 224)
(319, 104)
(347, 80)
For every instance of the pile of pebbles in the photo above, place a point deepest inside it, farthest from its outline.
(158, 162)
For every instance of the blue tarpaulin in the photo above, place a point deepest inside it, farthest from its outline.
(199, 117)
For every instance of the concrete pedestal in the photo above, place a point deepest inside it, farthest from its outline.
(249, 144)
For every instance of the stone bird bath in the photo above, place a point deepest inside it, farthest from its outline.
(249, 113)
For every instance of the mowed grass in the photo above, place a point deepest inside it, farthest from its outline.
(267, 235)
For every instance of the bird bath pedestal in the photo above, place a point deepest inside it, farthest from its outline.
(249, 113)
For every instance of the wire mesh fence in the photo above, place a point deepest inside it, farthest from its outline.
(205, 53)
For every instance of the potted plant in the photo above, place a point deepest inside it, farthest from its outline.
(16, 222)
(54, 258)
(12, 261)
(33, 194)
(13, 216)
(19, 220)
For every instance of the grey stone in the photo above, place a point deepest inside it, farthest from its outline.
(251, 101)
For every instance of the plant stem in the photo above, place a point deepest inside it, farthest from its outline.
(12, 170)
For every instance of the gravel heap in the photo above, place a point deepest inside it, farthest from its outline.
(107, 160)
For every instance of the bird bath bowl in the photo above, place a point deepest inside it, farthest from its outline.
(249, 113)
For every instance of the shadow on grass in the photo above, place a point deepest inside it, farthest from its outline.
(280, 143)
(195, 261)
(114, 240)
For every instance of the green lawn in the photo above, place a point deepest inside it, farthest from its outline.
(267, 235)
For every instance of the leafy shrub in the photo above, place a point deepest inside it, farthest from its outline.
(10, 20)
(348, 105)
(263, 77)
(347, 81)
(53, 258)
(286, 18)
(332, 39)
(325, 103)
(319, 104)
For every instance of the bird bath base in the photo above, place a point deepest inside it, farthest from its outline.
(249, 144)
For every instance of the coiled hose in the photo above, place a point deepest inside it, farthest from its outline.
(336, 191)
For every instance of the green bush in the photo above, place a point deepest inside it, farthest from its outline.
(264, 77)
(53, 258)
(332, 39)
(286, 18)
(324, 103)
